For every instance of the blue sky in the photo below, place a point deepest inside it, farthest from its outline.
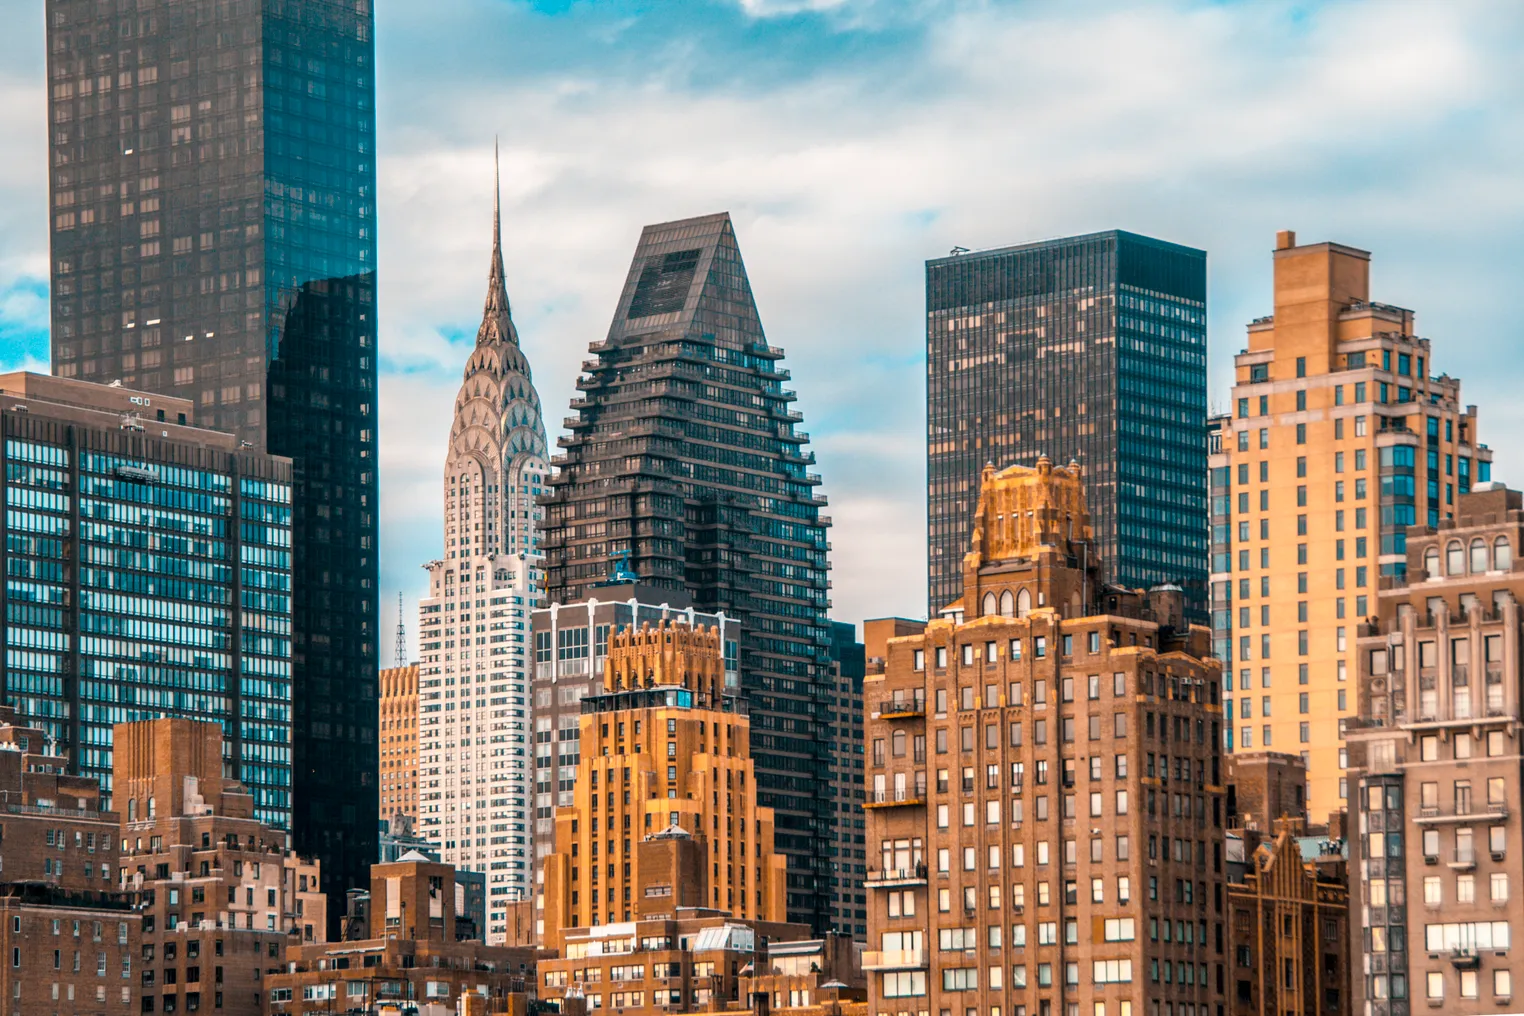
(853, 139)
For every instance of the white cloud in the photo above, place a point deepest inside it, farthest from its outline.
(1210, 125)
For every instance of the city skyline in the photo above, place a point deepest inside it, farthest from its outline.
(839, 303)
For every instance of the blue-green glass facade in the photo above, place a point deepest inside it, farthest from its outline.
(1091, 348)
(218, 244)
(144, 579)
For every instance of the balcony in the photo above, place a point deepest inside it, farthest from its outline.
(897, 797)
(1465, 958)
(890, 878)
(894, 959)
(898, 708)
(1463, 815)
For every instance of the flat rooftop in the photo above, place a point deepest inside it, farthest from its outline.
(111, 407)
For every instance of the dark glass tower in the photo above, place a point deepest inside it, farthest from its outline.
(849, 858)
(1091, 348)
(684, 456)
(212, 166)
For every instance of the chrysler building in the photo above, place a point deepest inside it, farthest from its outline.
(473, 754)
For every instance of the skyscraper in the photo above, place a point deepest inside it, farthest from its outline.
(1341, 437)
(473, 677)
(213, 169)
(149, 570)
(683, 455)
(1090, 348)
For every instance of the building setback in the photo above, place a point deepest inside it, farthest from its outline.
(149, 574)
(1090, 348)
(1340, 438)
(1045, 790)
(221, 894)
(571, 648)
(683, 458)
(1435, 764)
(473, 676)
(664, 883)
(212, 167)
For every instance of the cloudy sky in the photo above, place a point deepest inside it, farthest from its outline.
(853, 139)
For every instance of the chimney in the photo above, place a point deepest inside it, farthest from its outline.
(1285, 239)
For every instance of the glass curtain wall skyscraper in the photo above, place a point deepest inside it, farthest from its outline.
(1091, 348)
(683, 456)
(148, 573)
(212, 168)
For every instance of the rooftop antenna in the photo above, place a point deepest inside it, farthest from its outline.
(401, 634)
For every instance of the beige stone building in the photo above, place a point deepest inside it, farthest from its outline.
(1438, 841)
(1045, 795)
(220, 893)
(1342, 434)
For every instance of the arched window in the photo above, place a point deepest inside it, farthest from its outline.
(1502, 554)
(1455, 559)
(1431, 562)
(1478, 555)
(153, 809)
(1007, 604)
(132, 809)
(1023, 603)
(987, 608)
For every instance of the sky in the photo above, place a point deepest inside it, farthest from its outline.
(853, 139)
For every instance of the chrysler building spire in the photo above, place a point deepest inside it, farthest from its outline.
(495, 465)
(497, 316)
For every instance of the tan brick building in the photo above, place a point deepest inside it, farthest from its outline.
(1440, 844)
(406, 956)
(1045, 787)
(1264, 786)
(1341, 435)
(1289, 931)
(68, 942)
(399, 746)
(220, 893)
(67, 952)
(52, 828)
